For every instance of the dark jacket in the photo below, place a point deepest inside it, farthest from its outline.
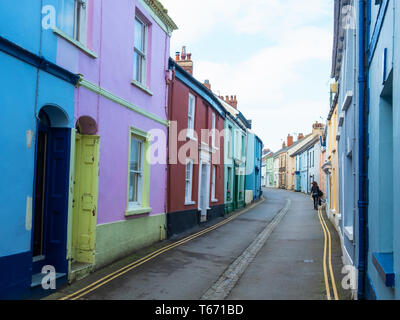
(315, 192)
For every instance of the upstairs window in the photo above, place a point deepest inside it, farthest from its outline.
(229, 142)
(191, 114)
(72, 19)
(243, 146)
(213, 131)
(140, 51)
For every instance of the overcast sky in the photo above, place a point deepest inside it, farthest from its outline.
(275, 55)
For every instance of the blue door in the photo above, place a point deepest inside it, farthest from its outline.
(49, 243)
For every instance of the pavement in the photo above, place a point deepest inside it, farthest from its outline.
(273, 250)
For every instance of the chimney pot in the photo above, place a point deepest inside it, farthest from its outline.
(183, 54)
(177, 54)
(185, 61)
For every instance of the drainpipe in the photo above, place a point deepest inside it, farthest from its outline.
(362, 161)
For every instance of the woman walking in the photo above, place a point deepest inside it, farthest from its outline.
(316, 194)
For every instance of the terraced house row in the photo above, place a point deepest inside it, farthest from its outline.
(362, 151)
(109, 145)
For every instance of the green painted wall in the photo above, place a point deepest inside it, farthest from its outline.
(117, 240)
(234, 202)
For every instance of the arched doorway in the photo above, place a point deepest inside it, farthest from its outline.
(86, 176)
(52, 164)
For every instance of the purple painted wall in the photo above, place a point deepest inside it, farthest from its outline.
(111, 36)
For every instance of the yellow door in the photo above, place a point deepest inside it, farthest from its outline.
(85, 198)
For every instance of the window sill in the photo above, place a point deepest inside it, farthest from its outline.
(141, 87)
(76, 43)
(384, 263)
(214, 200)
(348, 231)
(189, 203)
(133, 212)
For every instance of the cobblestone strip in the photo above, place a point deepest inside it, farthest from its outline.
(221, 289)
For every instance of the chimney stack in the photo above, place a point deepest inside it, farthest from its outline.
(232, 101)
(300, 136)
(185, 60)
(318, 128)
(207, 84)
(289, 140)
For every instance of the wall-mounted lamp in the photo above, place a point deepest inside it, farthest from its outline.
(29, 136)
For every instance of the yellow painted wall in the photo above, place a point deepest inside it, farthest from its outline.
(291, 169)
(333, 158)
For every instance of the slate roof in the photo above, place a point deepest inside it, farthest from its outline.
(306, 146)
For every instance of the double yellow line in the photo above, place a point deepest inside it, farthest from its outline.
(327, 234)
(101, 282)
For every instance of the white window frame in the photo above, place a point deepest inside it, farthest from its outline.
(191, 117)
(80, 19)
(189, 191)
(142, 54)
(243, 149)
(213, 183)
(138, 203)
(230, 137)
(213, 127)
(229, 185)
(237, 145)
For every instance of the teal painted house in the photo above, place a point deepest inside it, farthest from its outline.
(35, 137)
(253, 167)
(234, 158)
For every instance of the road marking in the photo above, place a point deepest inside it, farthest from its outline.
(224, 285)
(101, 282)
(327, 233)
(328, 291)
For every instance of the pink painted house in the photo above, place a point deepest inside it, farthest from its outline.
(118, 180)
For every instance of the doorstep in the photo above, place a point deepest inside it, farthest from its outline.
(79, 271)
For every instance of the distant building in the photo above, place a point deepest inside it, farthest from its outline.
(269, 169)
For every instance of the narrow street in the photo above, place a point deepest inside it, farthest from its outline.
(274, 249)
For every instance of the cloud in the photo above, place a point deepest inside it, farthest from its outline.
(282, 85)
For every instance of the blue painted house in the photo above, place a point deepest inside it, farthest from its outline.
(381, 237)
(367, 69)
(35, 138)
(306, 165)
(345, 72)
(253, 167)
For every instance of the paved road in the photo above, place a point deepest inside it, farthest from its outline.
(287, 264)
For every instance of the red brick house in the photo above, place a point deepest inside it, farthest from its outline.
(195, 170)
